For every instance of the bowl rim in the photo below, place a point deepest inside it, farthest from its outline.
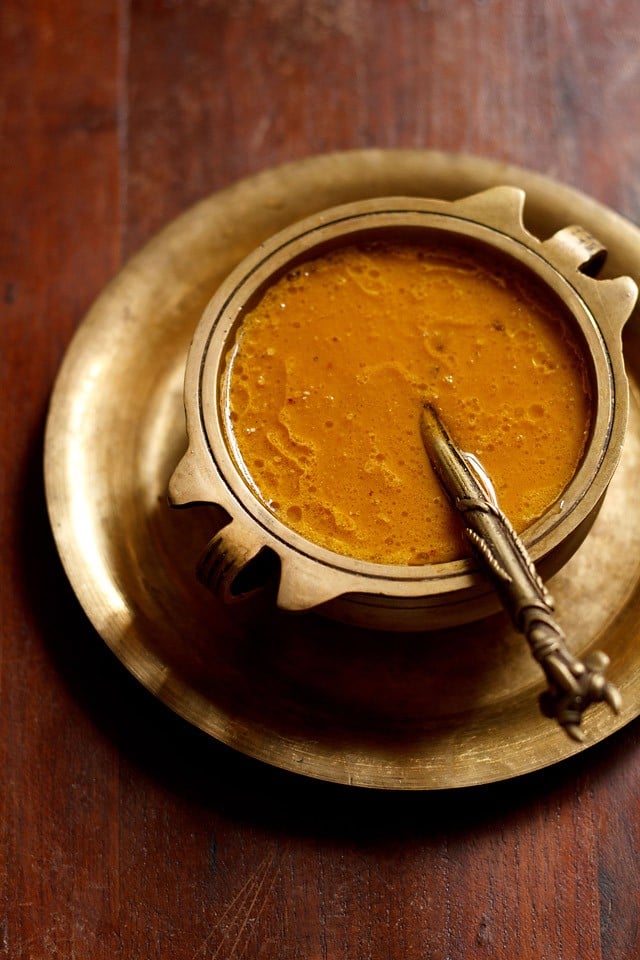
(301, 241)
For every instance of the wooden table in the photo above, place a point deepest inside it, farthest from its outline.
(124, 831)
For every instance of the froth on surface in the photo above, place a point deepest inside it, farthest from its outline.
(325, 381)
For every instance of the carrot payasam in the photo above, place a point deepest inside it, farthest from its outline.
(324, 384)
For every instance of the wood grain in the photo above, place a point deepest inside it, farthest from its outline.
(123, 832)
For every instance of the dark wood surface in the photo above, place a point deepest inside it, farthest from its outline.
(123, 831)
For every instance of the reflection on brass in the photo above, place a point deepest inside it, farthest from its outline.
(573, 684)
(403, 712)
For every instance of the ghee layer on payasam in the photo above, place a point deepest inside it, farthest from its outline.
(325, 381)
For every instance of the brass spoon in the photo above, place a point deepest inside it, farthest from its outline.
(573, 684)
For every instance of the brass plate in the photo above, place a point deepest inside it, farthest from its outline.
(418, 711)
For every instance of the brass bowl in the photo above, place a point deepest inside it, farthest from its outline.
(251, 543)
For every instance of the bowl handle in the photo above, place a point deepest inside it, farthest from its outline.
(225, 566)
(236, 563)
(576, 249)
(578, 253)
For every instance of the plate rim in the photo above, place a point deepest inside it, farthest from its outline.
(154, 675)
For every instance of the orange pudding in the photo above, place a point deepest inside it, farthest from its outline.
(325, 381)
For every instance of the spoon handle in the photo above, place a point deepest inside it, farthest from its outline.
(573, 684)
